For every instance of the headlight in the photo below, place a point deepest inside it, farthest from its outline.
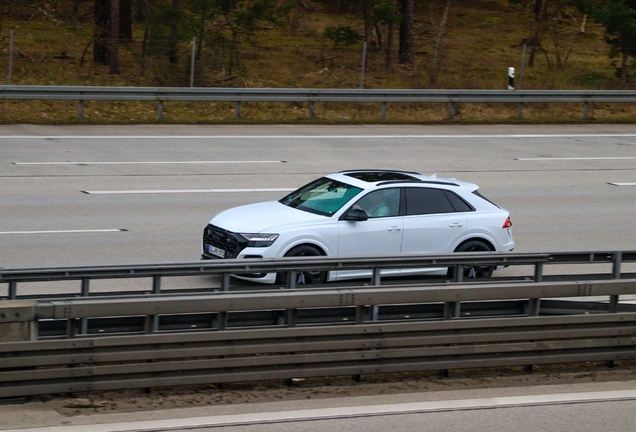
(260, 240)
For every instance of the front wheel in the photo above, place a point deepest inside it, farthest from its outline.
(473, 272)
(304, 277)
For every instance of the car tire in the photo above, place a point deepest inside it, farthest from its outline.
(305, 277)
(473, 272)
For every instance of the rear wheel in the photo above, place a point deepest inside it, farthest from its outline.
(304, 277)
(472, 272)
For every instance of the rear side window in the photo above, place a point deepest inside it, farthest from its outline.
(458, 204)
(427, 201)
(484, 198)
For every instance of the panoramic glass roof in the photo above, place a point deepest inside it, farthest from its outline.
(378, 176)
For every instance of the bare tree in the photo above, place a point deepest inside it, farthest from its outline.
(441, 32)
(540, 7)
(406, 32)
(114, 37)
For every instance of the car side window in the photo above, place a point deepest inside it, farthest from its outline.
(458, 204)
(428, 201)
(380, 203)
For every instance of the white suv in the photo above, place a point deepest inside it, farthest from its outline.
(363, 212)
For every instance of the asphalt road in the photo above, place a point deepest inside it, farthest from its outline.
(98, 195)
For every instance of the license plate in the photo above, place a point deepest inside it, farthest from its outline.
(216, 251)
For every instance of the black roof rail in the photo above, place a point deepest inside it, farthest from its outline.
(378, 170)
(418, 181)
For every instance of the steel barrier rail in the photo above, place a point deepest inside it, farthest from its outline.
(120, 362)
(311, 95)
(328, 298)
(223, 268)
(187, 312)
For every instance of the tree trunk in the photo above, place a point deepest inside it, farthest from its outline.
(435, 63)
(389, 45)
(540, 7)
(174, 31)
(406, 32)
(102, 31)
(624, 58)
(125, 20)
(114, 37)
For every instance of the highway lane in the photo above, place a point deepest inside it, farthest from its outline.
(94, 195)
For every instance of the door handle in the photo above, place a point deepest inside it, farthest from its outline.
(456, 224)
(394, 228)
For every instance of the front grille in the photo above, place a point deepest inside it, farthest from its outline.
(223, 239)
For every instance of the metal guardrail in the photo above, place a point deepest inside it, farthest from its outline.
(311, 96)
(224, 268)
(292, 351)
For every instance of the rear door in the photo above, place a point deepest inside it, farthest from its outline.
(432, 223)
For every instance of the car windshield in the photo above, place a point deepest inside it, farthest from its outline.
(323, 196)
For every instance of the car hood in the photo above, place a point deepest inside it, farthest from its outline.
(262, 217)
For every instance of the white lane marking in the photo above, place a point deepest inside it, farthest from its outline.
(623, 184)
(576, 158)
(64, 231)
(345, 412)
(151, 191)
(145, 162)
(260, 137)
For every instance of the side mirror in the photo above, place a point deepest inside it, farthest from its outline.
(356, 215)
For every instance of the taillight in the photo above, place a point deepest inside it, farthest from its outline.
(507, 223)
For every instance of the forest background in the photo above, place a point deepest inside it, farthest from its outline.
(410, 44)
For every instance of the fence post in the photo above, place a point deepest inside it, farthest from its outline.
(194, 45)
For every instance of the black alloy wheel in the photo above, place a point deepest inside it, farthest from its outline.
(304, 277)
(473, 272)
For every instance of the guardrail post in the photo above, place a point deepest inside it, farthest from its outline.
(151, 323)
(160, 111)
(237, 110)
(383, 111)
(585, 110)
(617, 258)
(13, 290)
(376, 279)
(452, 310)
(520, 110)
(360, 314)
(71, 328)
(452, 110)
(225, 282)
(311, 110)
(291, 316)
(292, 276)
(458, 273)
(85, 293)
(534, 305)
(538, 272)
(221, 320)
(80, 110)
